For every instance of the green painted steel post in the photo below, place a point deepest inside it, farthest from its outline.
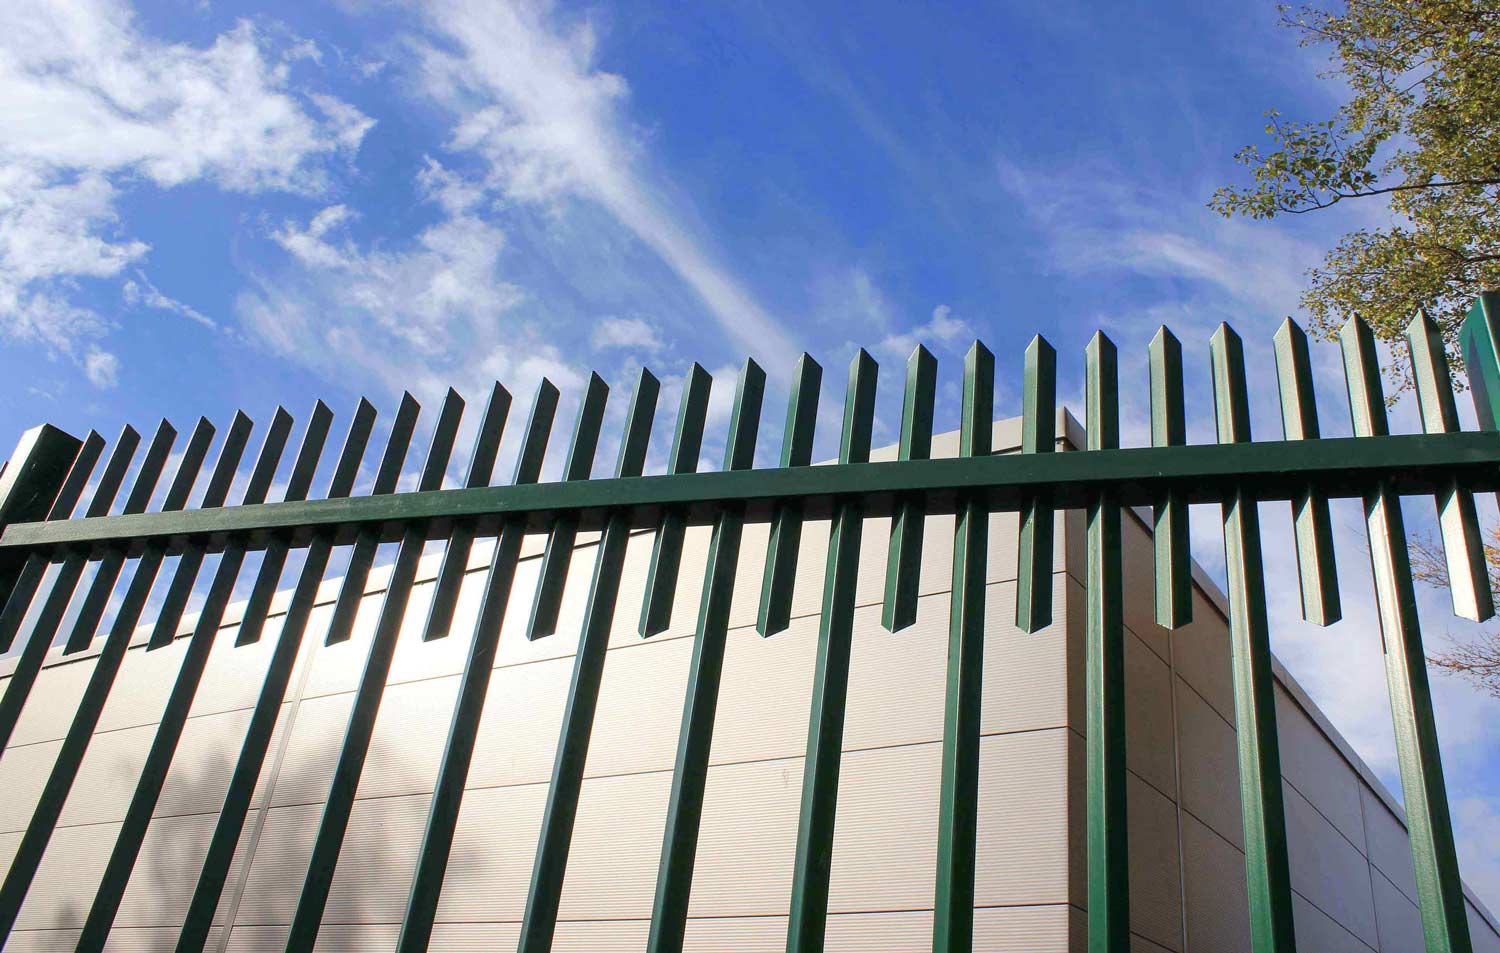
(958, 805)
(1104, 679)
(153, 773)
(666, 548)
(1317, 571)
(21, 586)
(1038, 435)
(1267, 872)
(558, 554)
(69, 571)
(1169, 536)
(779, 580)
(554, 842)
(231, 821)
(365, 709)
(904, 557)
(674, 878)
(31, 481)
(1445, 923)
(825, 731)
(468, 707)
(1463, 546)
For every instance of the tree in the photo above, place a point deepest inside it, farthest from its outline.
(1419, 139)
(1420, 134)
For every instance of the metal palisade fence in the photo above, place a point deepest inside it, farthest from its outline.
(44, 541)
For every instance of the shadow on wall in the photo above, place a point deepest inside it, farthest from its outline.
(368, 908)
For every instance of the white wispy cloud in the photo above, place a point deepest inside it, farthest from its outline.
(636, 334)
(140, 292)
(93, 106)
(943, 329)
(550, 125)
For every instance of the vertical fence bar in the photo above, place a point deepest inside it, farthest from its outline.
(463, 727)
(169, 616)
(231, 821)
(674, 877)
(1463, 546)
(34, 653)
(308, 918)
(558, 554)
(479, 665)
(1038, 435)
(779, 580)
(1104, 680)
(112, 559)
(666, 549)
(1445, 924)
(539, 922)
(825, 735)
(28, 856)
(1169, 513)
(69, 571)
(31, 483)
(1266, 867)
(367, 541)
(958, 805)
(273, 558)
(461, 537)
(1317, 573)
(904, 557)
(23, 585)
(153, 772)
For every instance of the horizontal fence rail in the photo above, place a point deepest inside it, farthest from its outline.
(46, 554)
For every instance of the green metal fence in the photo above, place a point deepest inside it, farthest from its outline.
(45, 480)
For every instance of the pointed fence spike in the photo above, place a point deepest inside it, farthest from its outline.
(367, 542)
(1463, 545)
(1038, 435)
(958, 791)
(112, 560)
(908, 521)
(461, 536)
(779, 579)
(666, 548)
(169, 616)
(1266, 864)
(1317, 571)
(273, 558)
(820, 776)
(557, 556)
(247, 770)
(1169, 513)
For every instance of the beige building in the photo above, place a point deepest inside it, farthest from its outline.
(1351, 867)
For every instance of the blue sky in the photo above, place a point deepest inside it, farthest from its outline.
(207, 206)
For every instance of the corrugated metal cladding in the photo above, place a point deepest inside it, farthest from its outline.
(1351, 867)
